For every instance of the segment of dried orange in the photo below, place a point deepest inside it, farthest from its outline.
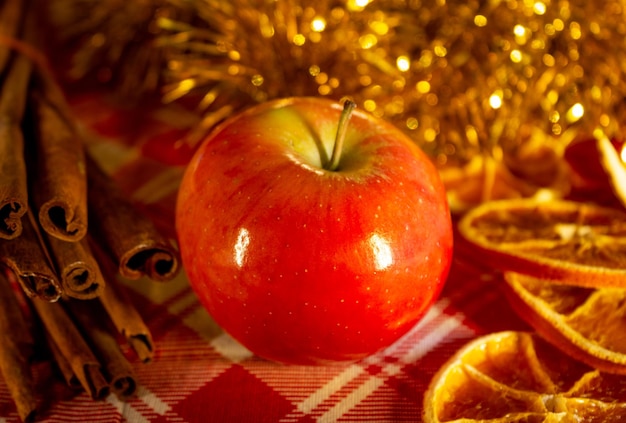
(564, 241)
(588, 324)
(511, 377)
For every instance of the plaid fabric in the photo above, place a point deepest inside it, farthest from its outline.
(199, 373)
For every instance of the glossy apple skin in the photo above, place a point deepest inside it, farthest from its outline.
(308, 266)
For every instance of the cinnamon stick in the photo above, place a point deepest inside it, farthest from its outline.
(25, 255)
(15, 345)
(62, 364)
(129, 237)
(73, 347)
(13, 180)
(76, 267)
(60, 188)
(122, 311)
(128, 321)
(11, 12)
(117, 369)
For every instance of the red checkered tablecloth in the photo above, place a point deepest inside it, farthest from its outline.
(199, 373)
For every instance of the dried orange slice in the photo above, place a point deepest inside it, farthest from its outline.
(517, 377)
(588, 324)
(564, 241)
(614, 166)
(485, 179)
(480, 180)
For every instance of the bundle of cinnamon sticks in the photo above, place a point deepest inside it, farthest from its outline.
(67, 235)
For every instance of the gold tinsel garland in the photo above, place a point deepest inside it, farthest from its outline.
(111, 41)
(465, 79)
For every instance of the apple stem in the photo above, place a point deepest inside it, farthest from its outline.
(342, 127)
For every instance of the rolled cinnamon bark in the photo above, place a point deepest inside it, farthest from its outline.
(128, 236)
(27, 258)
(13, 180)
(122, 311)
(59, 187)
(62, 364)
(128, 321)
(73, 347)
(11, 13)
(116, 368)
(15, 347)
(76, 267)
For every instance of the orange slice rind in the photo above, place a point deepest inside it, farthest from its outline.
(587, 324)
(568, 242)
(512, 376)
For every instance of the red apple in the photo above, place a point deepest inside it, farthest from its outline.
(302, 263)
